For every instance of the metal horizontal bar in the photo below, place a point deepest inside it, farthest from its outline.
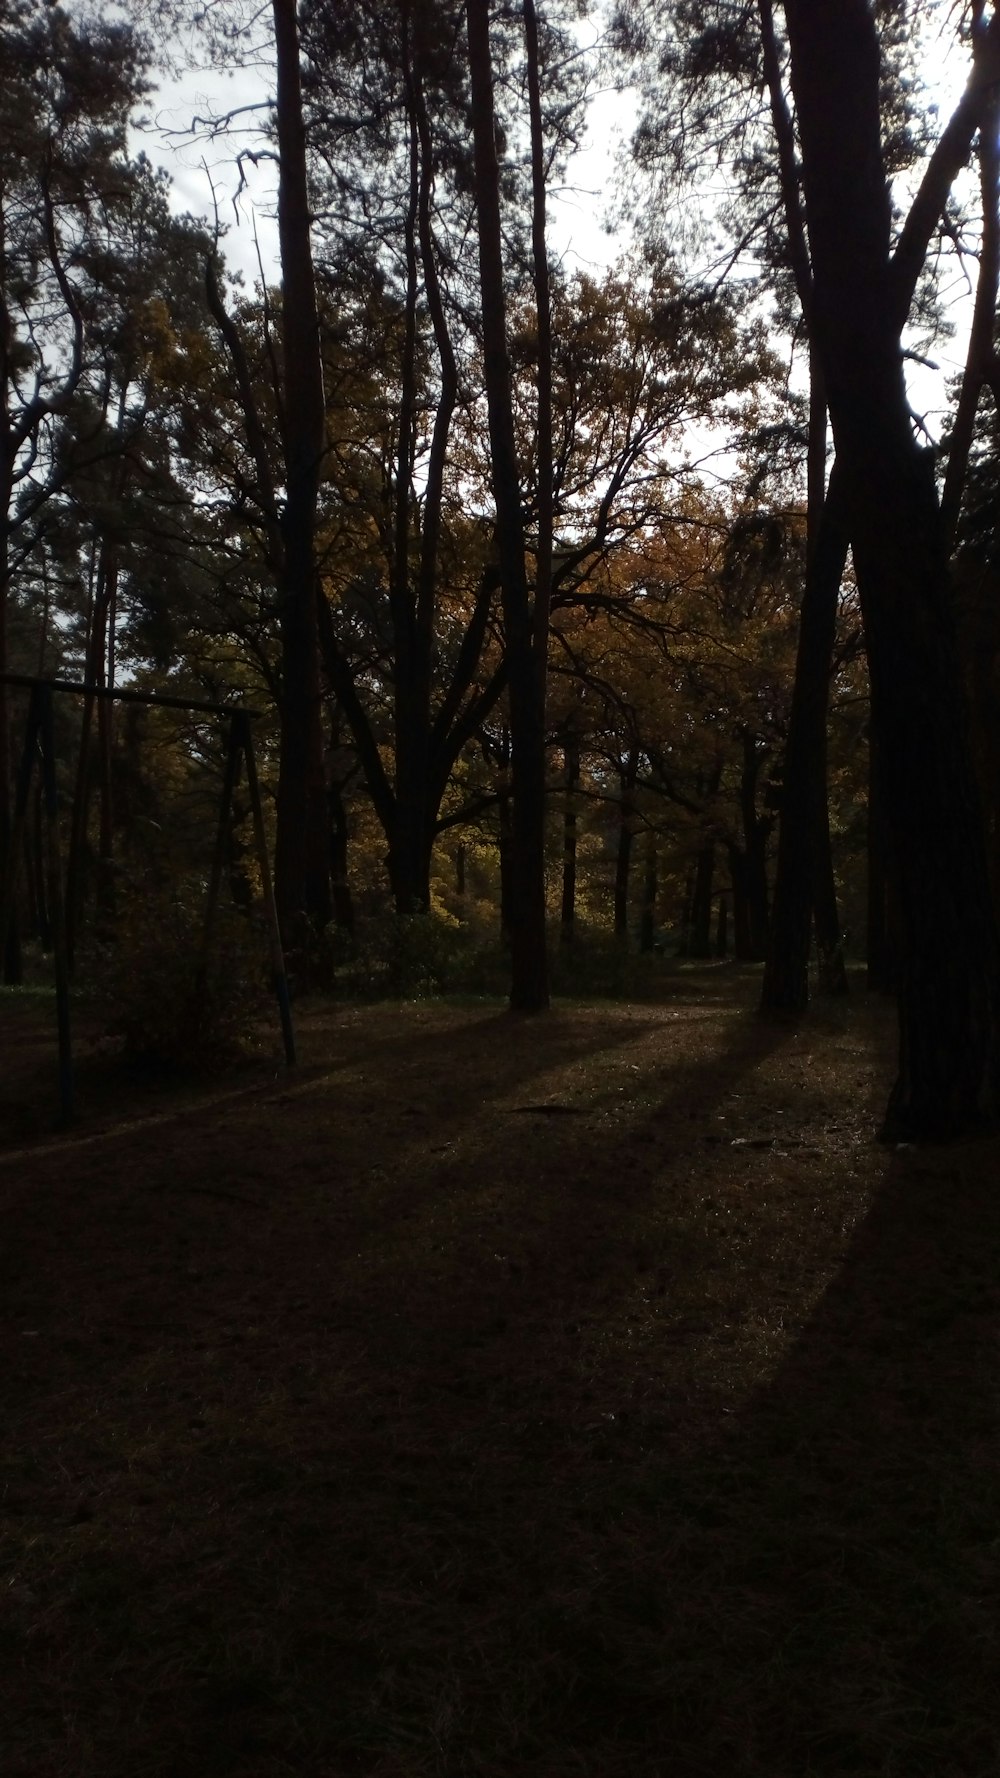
(128, 696)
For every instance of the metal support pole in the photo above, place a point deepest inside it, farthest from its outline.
(56, 904)
(24, 772)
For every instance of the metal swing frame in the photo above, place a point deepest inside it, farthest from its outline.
(39, 749)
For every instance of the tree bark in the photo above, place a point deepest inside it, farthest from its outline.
(743, 945)
(701, 902)
(949, 1073)
(722, 929)
(626, 838)
(751, 869)
(804, 875)
(525, 662)
(880, 947)
(571, 783)
(302, 858)
(650, 893)
(979, 360)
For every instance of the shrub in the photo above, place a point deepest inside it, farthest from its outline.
(405, 957)
(170, 1011)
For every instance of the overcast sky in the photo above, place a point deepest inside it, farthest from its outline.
(208, 173)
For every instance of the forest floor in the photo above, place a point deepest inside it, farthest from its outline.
(581, 1397)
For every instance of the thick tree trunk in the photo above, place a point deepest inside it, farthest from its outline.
(409, 865)
(949, 1000)
(525, 661)
(302, 857)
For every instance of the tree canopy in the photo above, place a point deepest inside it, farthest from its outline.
(633, 598)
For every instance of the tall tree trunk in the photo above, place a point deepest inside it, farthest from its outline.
(526, 665)
(722, 929)
(949, 1000)
(880, 944)
(980, 363)
(105, 750)
(626, 838)
(505, 847)
(650, 892)
(343, 901)
(701, 902)
(543, 322)
(571, 784)
(743, 945)
(409, 850)
(804, 870)
(302, 858)
(11, 960)
(752, 868)
(831, 970)
(93, 673)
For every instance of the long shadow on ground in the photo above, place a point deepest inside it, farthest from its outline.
(653, 1434)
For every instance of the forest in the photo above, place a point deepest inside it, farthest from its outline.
(571, 603)
(570, 677)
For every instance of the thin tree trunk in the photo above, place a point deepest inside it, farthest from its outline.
(343, 901)
(571, 785)
(701, 902)
(650, 893)
(543, 322)
(626, 839)
(881, 973)
(105, 746)
(742, 928)
(302, 857)
(979, 358)
(722, 929)
(12, 965)
(753, 854)
(505, 847)
(803, 878)
(831, 971)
